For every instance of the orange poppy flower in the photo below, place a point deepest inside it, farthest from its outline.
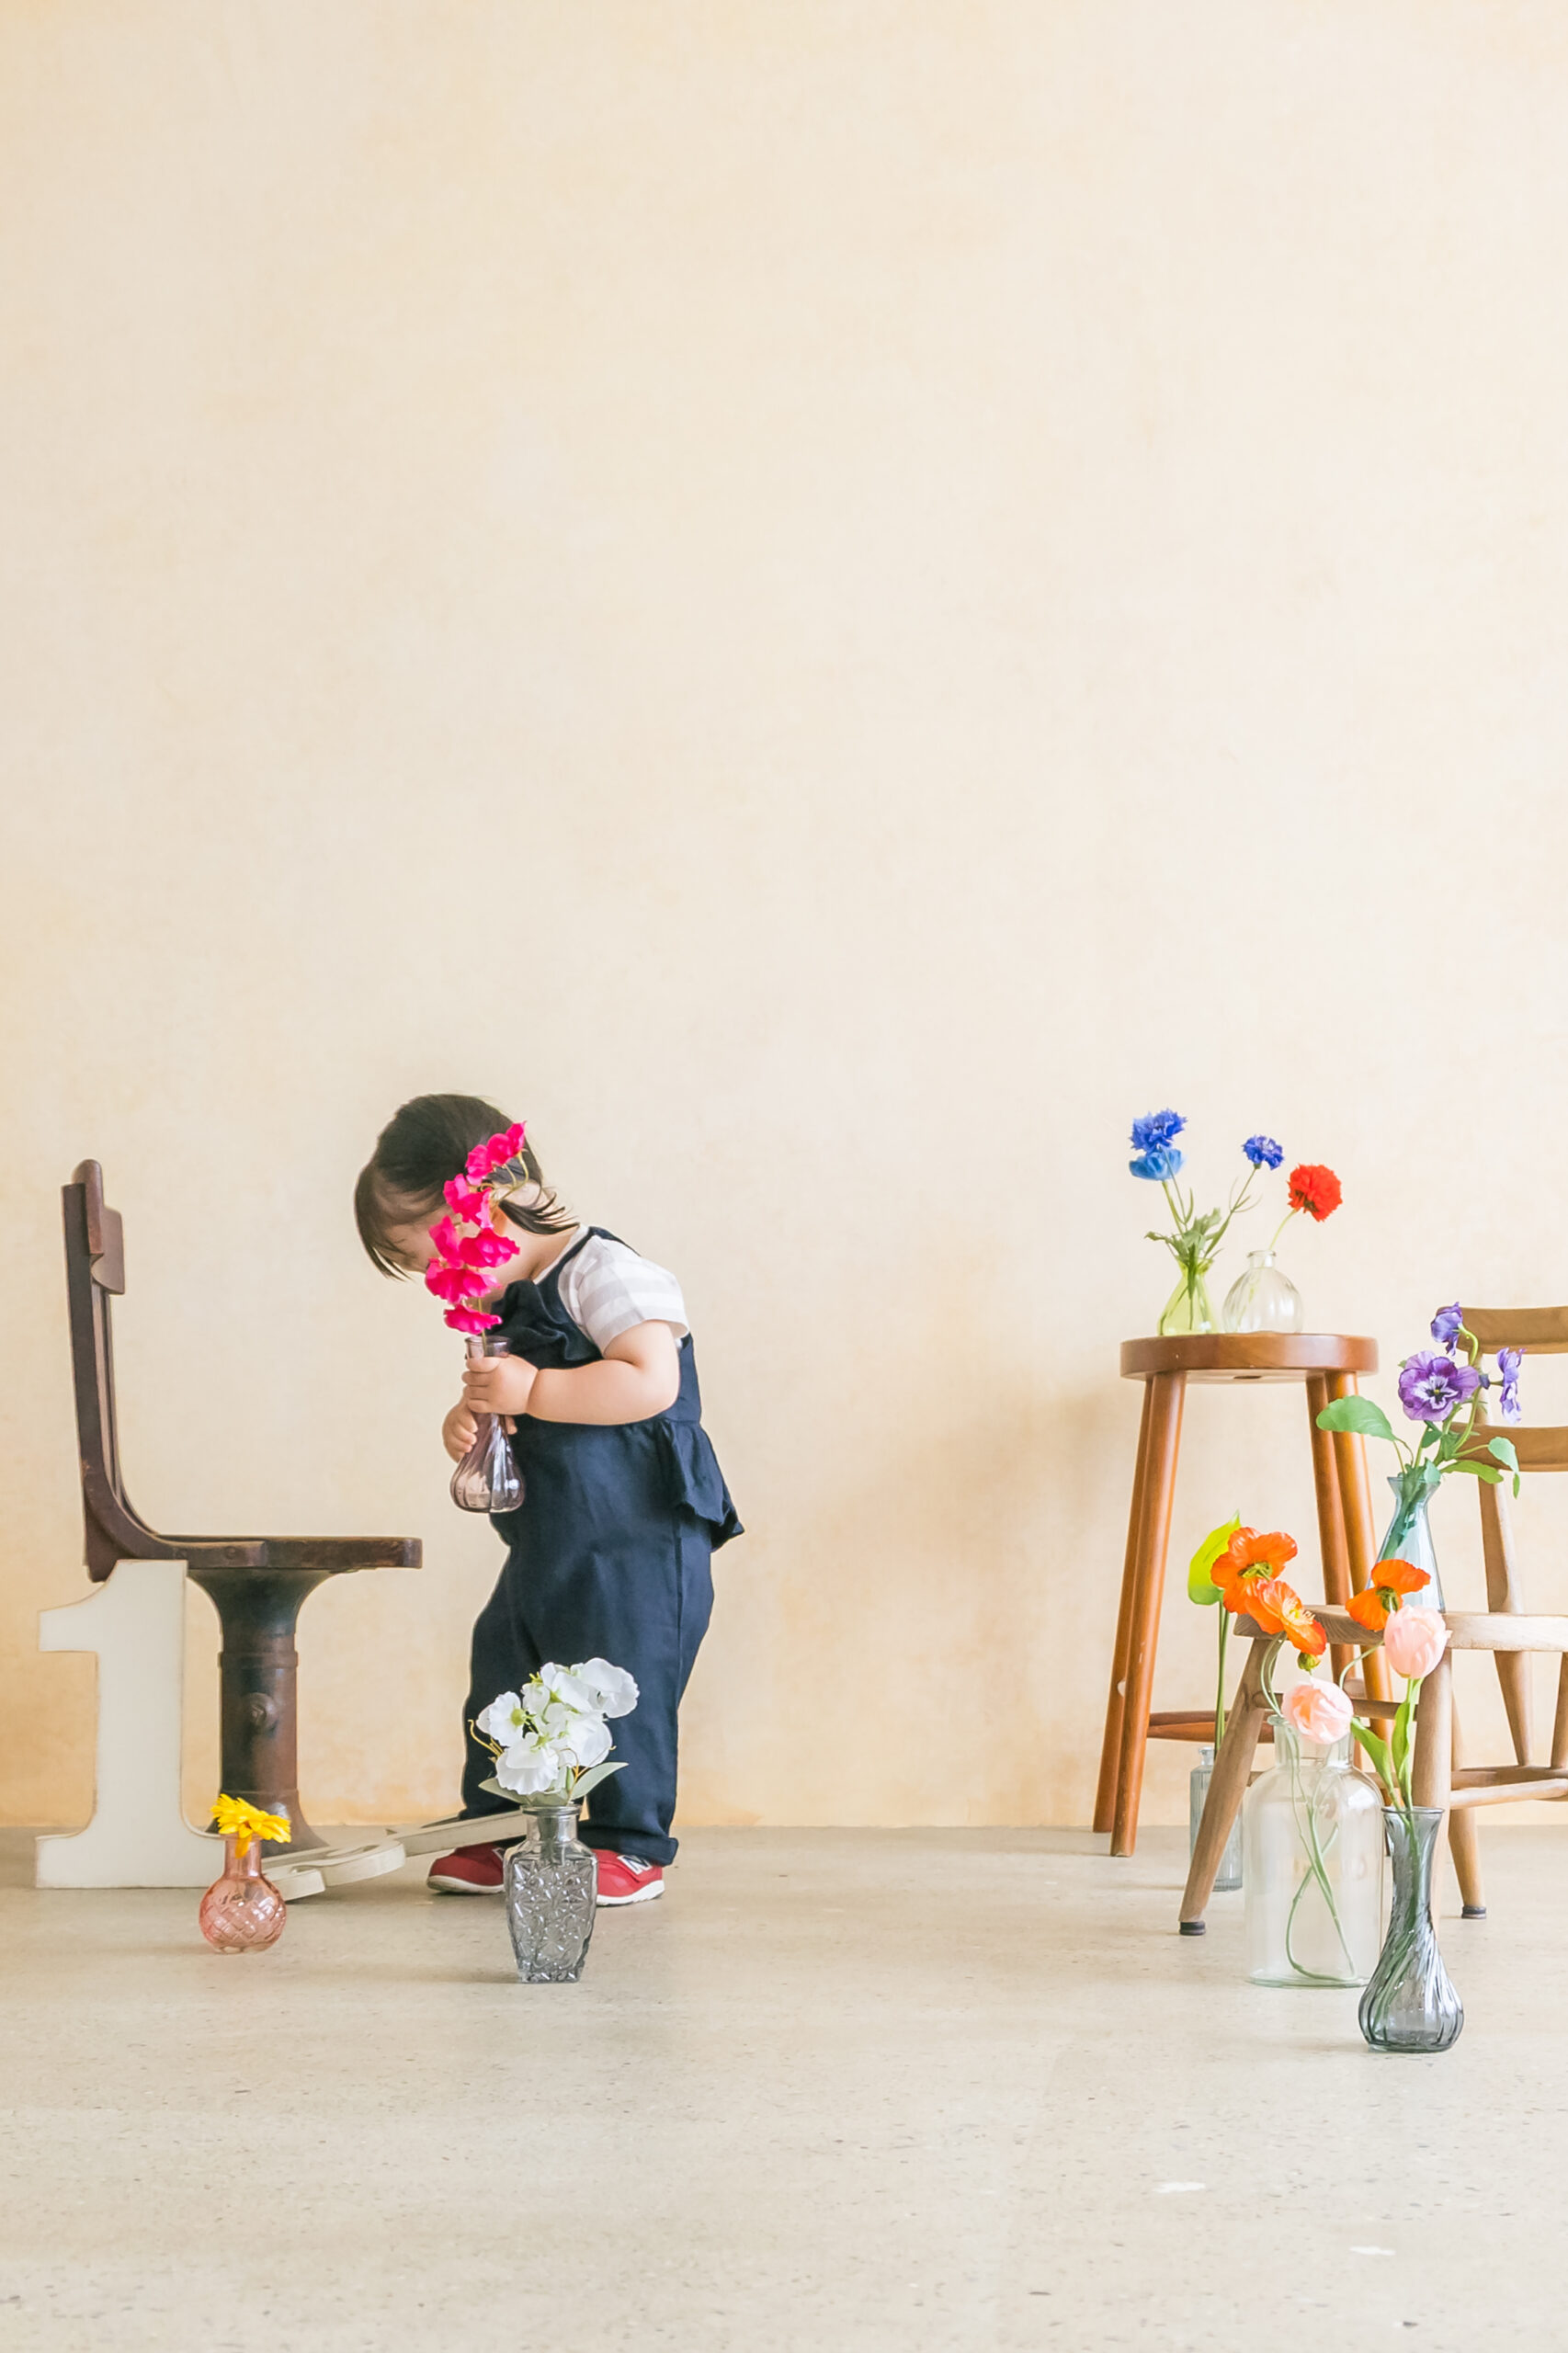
(1300, 1624)
(1248, 1550)
(1390, 1580)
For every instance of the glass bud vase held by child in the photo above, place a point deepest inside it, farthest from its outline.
(1312, 1866)
(551, 1889)
(487, 1479)
(1262, 1299)
(1410, 2003)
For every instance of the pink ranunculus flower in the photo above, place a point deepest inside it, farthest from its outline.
(1318, 1710)
(1413, 1640)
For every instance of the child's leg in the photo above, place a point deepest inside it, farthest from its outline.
(649, 1617)
(502, 1659)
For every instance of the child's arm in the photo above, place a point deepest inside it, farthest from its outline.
(637, 1376)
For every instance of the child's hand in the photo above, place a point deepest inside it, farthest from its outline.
(458, 1431)
(498, 1384)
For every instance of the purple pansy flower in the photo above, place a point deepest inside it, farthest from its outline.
(1430, 1386)
(1263, 1151)
(1508, 1370)
(1446, 1325)
(1155, 1130)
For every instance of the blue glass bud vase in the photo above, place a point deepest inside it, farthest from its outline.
(1409, 1537)
(1410, 2003)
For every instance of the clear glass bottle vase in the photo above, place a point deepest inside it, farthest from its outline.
(1262, 1298)
(1409, 1533)
(487, 1479)
(1189, 1308)
(551, 1886)
(1311, 1867)
(1229, 1875)
(1410, 2003)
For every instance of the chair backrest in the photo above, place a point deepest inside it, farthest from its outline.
(95, 1267)
(1540, 1331)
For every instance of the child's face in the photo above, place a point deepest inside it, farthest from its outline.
(410, 1245)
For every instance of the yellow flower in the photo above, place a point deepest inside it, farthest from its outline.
(242, 1822)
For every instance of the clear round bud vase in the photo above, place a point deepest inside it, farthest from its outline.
(1312, 1868)
(1411, 2004)
(551, 1889)
(1409, 1536)
(487, 1479)
(1262, 1299)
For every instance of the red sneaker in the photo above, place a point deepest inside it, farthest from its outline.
(470, 1870)
(627, 1879)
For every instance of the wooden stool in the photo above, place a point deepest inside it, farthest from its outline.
(1327, 1363)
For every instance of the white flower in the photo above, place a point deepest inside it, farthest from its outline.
(530, 1767)
(613, 1691)
(503, 1719)
(561, 1683)
(586, 1740)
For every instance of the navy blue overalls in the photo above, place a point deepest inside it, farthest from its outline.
(607, 1557)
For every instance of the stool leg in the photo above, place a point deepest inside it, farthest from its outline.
(1167, 1393)
(1360, 1536)
(1464, 1844)
(1331, 1515)
(1227, 1787)
(1503, 1596)
(257, 1676)
(1111, 1748)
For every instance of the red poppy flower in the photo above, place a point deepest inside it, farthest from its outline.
(1316, 1190)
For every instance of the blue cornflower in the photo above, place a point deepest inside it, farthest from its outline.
(1158, 1162)
(1155, 1130)
(1263, 1151)
(1447, 1324)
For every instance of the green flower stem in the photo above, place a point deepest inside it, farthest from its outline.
(1219, 1691)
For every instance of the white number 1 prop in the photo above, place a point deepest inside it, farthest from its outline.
(138, 1836)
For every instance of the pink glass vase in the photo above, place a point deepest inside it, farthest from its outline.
(242, 1912)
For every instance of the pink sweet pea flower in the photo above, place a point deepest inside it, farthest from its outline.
(466, 1200)
(469, 1319)
(1319, 1712)
(1413, 1640)
(454, 1284)
(485, 1158)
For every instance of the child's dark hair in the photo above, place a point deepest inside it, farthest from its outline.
(423, 1146)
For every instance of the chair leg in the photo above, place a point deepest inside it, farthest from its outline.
(1360, 1535)
(259, 1609)
(1331, 1515)
(1110, 1746)
(1227, 1787)
(1559, 1725)
(1464, 1843)
(1432, 1777)
(1503, 1594)
(1167, 1393)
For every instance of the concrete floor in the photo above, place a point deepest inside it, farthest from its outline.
(844, 2091)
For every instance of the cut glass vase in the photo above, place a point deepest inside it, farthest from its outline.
(552, 1891)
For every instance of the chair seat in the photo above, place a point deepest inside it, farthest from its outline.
(324, 1555)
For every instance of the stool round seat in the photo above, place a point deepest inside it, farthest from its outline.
(1248, 1356)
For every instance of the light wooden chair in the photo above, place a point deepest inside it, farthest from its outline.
(1504, 1629)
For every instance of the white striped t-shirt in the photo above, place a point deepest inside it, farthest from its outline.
(606, 1289)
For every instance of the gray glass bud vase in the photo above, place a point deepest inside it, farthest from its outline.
(1409, 1534)
(487, 1479)
(1410, 2003)
(551, 1889)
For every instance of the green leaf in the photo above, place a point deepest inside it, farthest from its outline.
(1376, 1748)
(1400, 1745)
(1503, 1450)
(1358, 1414)
(596, 1774)
(1478, 1471)
(1200, 1587)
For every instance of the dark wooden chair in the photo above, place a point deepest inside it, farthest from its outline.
(258, 1583)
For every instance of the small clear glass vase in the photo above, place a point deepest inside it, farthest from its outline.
(1189, 1308)
(1262, 1298)
(551, 1888)
(487, 1479)
(1409, 1536)
(1312, 1866)
(1410, 2003)
(242, 1912)
(1229, 1875)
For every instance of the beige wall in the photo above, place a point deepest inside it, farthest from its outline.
(827, 599)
